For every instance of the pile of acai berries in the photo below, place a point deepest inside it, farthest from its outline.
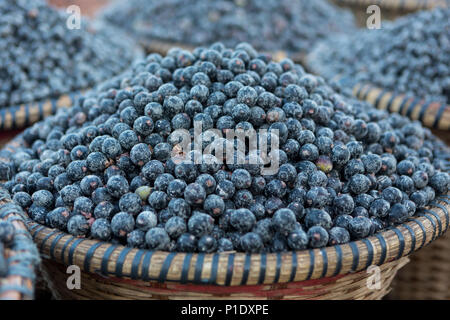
(44, 53)
(110, 167)
(410, 55)
(294, 25)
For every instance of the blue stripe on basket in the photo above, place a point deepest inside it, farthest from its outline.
(166, 266)
(358, 92)
(412, 106)
(146, 265)
(426, 216)
(434, 214)
(278, 268)
(401, 239)
(54, 243)
(246, 269)
(262, 271)
(369, 88)
(105, 258)
(403, 104)
(135, 264)
(389, 104)
(444, 209)
(13, 116)
(27, 116)
(325, 262)
(230, 267)
(423, 231)
(185, 267)
(439, 114)
(423, 110)
(378, 99)
(338, 260)
(2, 117)
(369, 252)
(121, 260)
(34, 234)
(214, 268)
(33, 227)
(445, 198)
(41, 247)
(41, 110)
(312, 259)
(72, 249)
(383, 249)
(63, 250)
(294, 266)
(413, 238)
(54, 102)
(355, 252)
(198, 268)
(89, 254)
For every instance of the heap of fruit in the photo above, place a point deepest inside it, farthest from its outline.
(41, 57)
(113, 167)
(293, 25)
(410, 55)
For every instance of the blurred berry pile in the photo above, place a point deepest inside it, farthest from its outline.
(41, 57)
(291, 25)
(410, 55)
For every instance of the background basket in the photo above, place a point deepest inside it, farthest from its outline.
(432, 114)
(21, 116)
(22, 258)
(427, 277)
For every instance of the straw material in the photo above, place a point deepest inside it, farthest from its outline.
(427, 277)
(22, 258)
(94, 286)
(17, 117)
(432, 114)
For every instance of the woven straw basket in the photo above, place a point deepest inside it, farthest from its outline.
(21, 116)
(22, 258)
(432, 114)
(339, 272)
(427, 277)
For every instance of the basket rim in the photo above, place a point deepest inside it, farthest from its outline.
(22, 258)
(236, 268)
(35, 110)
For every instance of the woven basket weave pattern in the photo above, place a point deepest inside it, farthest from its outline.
(22, 257)
(21, 116)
